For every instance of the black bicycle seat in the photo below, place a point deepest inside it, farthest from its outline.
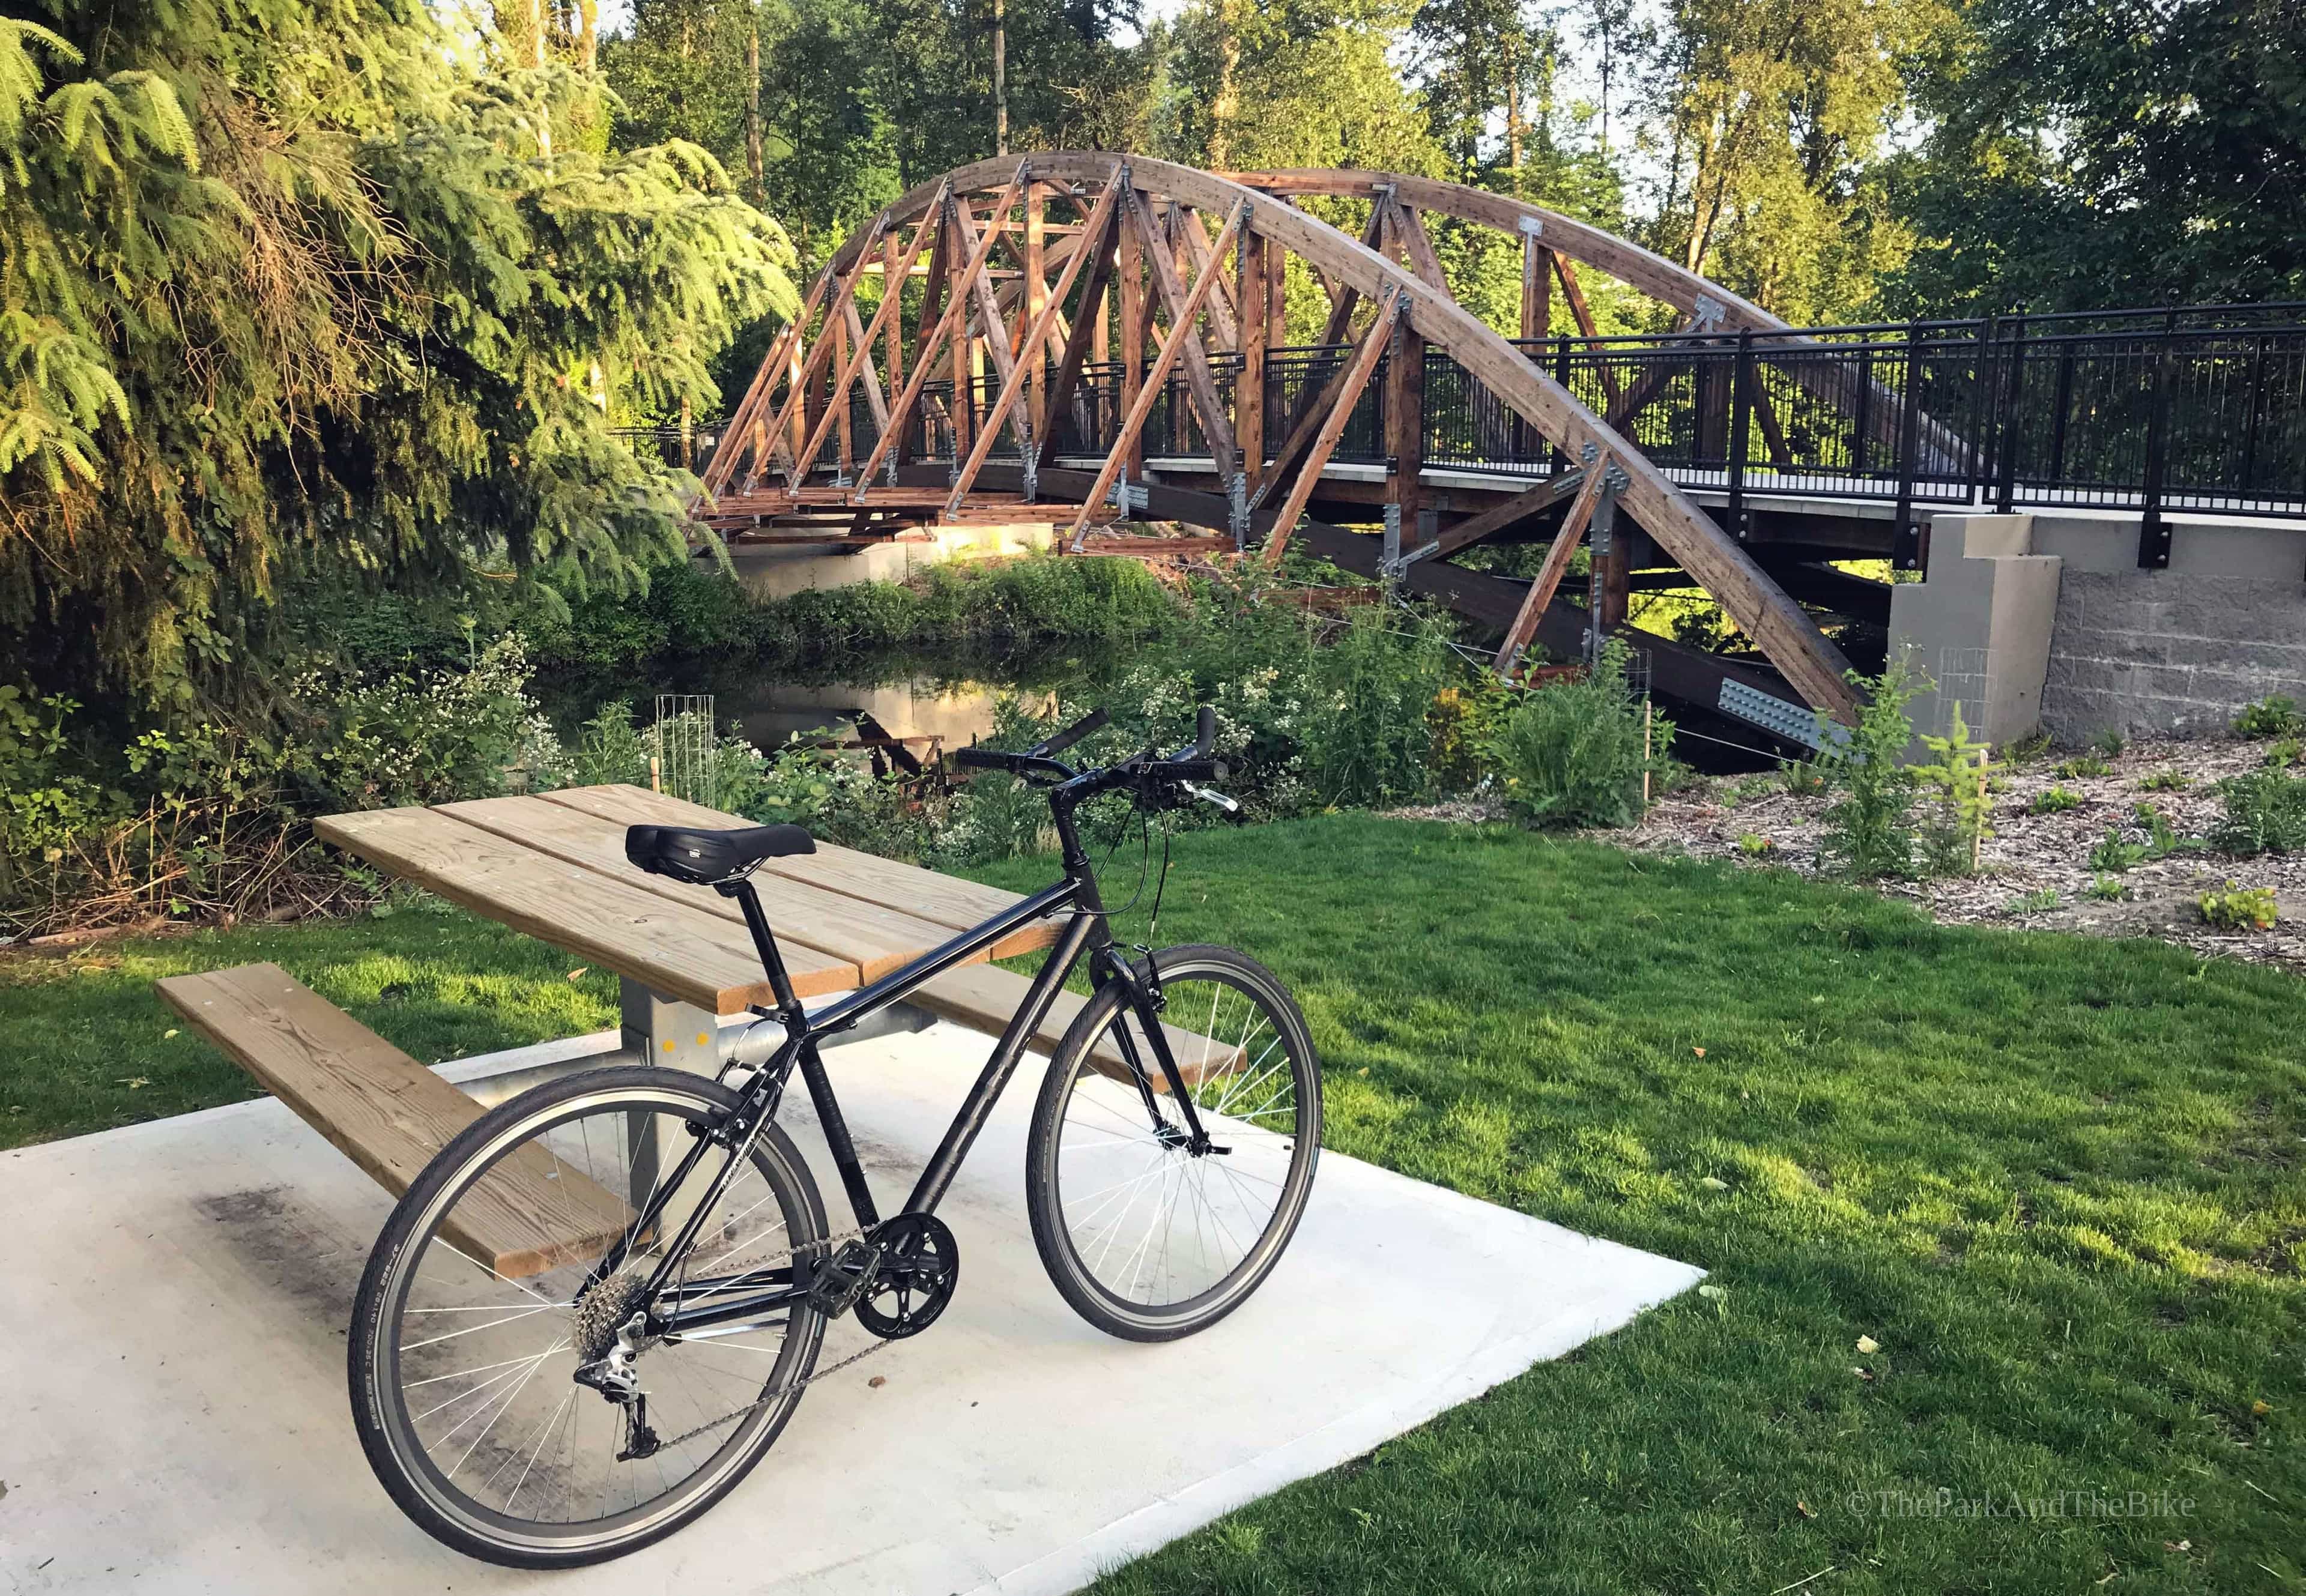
(700, 857)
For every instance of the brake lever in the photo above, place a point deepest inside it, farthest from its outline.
(1229, 807)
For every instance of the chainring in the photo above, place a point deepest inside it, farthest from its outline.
(920, 1265)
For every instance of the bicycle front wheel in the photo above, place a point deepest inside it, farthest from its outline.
(514, 1260)
(1148, 1235)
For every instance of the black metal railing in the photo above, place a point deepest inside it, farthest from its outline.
(2199, 409)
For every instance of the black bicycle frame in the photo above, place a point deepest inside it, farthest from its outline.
(1085, 931)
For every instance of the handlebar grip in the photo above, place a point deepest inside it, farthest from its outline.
(1194, 770)
(1205, 732)
(982, 759)
(1094, 721)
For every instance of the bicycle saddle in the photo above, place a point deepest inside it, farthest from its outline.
(702, 858)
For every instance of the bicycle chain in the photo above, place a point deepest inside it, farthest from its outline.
(831, 1244)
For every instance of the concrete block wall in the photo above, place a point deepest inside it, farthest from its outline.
(2170, 650)
(2046, 619)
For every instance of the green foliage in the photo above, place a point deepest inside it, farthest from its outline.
(293, 287)
(2081, 767)
(2116, 852)
(1754, 846)
(2054, 800)
(692, 613)
(2039, 901)
(1957, 782)
(1571, 752)
(2107, 888)
(2081, 154)
(2283, 752)
(1869, 827)
(2109, 743)
(2240, 908)
(2167, 781)
(421, 737)
(2265, 813)
(2278, 716)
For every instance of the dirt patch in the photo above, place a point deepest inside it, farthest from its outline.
(2035, 870)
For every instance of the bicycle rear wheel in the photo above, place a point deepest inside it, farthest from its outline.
(479, 1303)
(1146, 1236)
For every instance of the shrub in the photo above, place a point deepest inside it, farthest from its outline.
(2107, 888)
(1754, 846)
(2081, 767)
(2167, 781)
(2240, 908)
(1571, 752)
(428, 737)
(2054, 800)
(1868, 828)
(2271, 717)
(2265, 813)
(2109, 743)
(2284, 753)
(2040, 900)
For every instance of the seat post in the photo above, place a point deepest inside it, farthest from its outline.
(765, 941)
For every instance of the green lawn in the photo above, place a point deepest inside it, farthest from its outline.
(2056, 1180)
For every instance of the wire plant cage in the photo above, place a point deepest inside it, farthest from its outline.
(680, 747)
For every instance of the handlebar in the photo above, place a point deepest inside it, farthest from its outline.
(1183, 769)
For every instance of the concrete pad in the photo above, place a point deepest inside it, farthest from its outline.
(175, 1296)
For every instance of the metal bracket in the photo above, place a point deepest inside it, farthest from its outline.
(1708, 313)
(1795, 722)
(1532, 226)
(1125, 498)
(1029, 463)
(1237, 508)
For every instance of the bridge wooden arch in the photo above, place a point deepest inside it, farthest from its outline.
(1134, 209)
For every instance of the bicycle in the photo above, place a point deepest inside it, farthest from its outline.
(666, 1323)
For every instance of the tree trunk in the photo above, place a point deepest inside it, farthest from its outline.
(755, 167)
(1224, 108)
(999, 77)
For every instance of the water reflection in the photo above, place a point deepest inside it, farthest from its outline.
(911, 709)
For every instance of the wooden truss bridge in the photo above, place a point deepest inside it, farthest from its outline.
(1101, 338)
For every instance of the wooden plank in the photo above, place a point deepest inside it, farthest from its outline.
(391, 1116)
(985, 999)
(945, 900)
(669, 948)
(1557, 563)
(874, 938)
(1404, 429)
(1249, 386)
(1536, 285)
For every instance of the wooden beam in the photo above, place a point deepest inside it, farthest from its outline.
(893, 286)
(1514, 511)
(1418, 246)
(798, 401)
(1029, 320)
(1356, 376)
(955, 312)
(1100, 220)
(1088, 334)
(856, 344)
(1200, 382)
(1536, 287)
(1225, 322)
(1182, 339)
(1404, 428)
(746, 417)
(1129, 263)
(1584, 312)
(1557, 565)
(1249, 386)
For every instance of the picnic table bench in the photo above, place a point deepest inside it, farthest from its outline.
(552, 865)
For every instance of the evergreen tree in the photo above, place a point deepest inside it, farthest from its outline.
(296, 288)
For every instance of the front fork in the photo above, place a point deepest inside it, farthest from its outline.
(1147, 1000)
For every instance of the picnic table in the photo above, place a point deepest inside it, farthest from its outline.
(552, 866)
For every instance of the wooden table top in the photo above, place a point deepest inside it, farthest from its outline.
(552, 865)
